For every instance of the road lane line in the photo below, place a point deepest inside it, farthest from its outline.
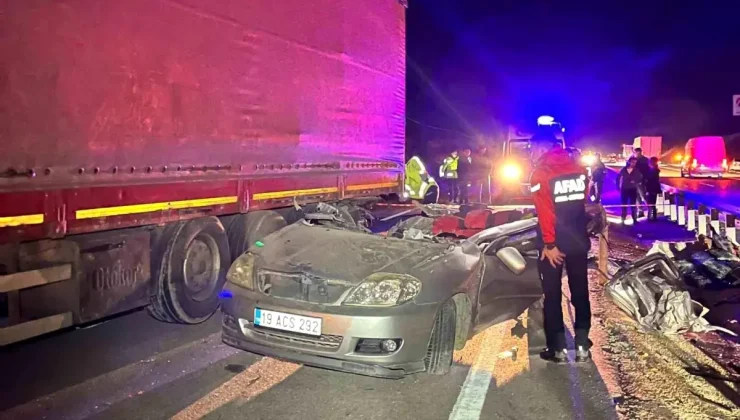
(246, 385)
(473, 393)
(96, 395)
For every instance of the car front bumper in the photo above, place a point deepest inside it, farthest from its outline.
(342, 329)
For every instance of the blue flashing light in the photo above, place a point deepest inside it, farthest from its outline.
(226, 294)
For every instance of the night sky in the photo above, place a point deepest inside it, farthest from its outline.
(608, 70)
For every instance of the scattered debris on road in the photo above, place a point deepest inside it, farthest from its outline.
(654, 375)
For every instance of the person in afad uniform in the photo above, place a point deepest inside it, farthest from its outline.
(559, 189)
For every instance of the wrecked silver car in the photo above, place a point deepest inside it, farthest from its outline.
(353, 301)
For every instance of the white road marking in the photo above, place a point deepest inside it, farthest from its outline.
(96, 395)
(473, 393)
(708, 184)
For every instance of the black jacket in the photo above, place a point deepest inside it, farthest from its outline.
(629, 181)
(652, 181)
(598, 172)
(465, 168)
(643, 165)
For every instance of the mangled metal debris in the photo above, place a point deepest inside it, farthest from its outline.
(657, 290)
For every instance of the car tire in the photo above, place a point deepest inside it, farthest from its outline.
(438, 360)
(180, 296)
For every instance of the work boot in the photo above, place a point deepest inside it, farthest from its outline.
(583, 354)
(554, 356)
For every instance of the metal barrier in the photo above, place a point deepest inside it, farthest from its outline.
(697, 217)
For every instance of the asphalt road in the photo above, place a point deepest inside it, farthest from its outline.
(133, 367)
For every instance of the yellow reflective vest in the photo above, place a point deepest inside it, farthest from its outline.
(449, 167)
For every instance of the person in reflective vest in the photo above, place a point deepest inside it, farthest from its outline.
(559, 187)
(448, 171)
(418, 182)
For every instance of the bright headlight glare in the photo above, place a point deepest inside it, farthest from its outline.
(384, 289)
(512, 171)
(588, 159)
(241, 271)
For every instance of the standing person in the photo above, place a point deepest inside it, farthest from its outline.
(598, 174)
(559, 193)
(448, 171)
(629, 183)
(466, 173)
(643, 165)
(653, 188)
(482, 166)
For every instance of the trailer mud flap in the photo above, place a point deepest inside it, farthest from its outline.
(114, 273)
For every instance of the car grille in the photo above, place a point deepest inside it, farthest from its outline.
(300, 286)
(323, 342)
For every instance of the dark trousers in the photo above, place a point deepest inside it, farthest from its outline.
(454, 189)
(597, 188)
(652, 198)
(576, 266)
(629, 199)
(465, 191)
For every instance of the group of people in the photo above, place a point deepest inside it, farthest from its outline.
(467, 173)
(639, 182)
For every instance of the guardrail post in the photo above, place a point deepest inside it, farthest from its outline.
(731, 230)
(659, 203)
(703, 220)
(681, 210)
(667, 204)
(691, 225)
(604, 248)
(714, 219)
(674, 207)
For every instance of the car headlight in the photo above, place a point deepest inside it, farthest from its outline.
(384, 289)
(588, 160)
(241, 271)
(512, 171)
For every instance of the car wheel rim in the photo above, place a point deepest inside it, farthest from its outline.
(201, 267)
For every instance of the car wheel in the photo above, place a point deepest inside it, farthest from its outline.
(189, 271)
(442, 342)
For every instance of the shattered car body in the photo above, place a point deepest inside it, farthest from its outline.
(377, 305)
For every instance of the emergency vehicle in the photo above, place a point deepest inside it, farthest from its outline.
(515, 165)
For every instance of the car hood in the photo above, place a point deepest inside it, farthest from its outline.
(333, 253)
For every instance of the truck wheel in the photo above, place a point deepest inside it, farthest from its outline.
(246, 229)
(189, 271)
(438, 360)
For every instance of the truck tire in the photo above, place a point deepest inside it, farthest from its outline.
(246, 229)
(189, 270)
(438, 360)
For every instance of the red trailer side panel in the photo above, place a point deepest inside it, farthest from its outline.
(97, 88)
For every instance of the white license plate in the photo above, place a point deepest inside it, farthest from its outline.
(287, 322)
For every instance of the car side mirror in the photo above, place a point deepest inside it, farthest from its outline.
(512, 259)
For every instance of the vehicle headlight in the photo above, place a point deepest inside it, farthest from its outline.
(241, 271)
(384, 289)
(512, 171)
(588, 160)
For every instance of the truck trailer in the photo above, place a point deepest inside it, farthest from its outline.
(650, 145)
(148, 143)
